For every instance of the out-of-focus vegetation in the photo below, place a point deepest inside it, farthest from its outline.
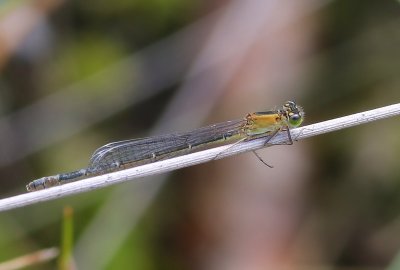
(78, 74)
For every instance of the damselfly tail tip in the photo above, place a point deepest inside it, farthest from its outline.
(43, 183)
(35, 185)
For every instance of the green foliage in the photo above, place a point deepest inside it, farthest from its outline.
(65, 260)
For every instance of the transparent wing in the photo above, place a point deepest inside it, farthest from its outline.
(135, 152)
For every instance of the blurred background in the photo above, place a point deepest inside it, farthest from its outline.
(76, 75)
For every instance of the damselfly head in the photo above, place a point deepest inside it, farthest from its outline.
(293, 113)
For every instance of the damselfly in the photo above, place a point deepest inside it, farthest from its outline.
(131, 153)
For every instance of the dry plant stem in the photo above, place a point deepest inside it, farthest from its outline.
(31, 259)
(194, 158)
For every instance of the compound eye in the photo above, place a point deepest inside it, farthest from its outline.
(295, 120)
(295, 117)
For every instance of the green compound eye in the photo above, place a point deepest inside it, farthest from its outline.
(295, 119)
